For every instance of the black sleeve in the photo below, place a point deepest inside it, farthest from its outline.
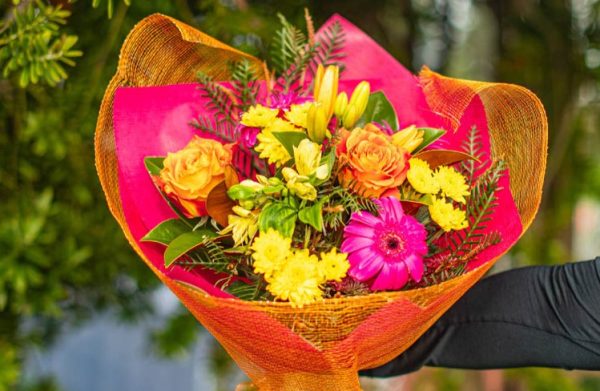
(545, 316)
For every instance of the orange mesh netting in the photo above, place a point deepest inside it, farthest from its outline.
(323, 345)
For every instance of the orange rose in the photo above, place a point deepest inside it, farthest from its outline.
(190, 174)
(369, 162)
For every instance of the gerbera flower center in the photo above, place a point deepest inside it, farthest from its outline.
(390, 243)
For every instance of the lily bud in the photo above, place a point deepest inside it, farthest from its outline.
(408, 138)
(341, 103)
(360, 97)
(350, 117)
(242, 212)
(326, 88)
(307, 156)
(248, 205)
(316, 124)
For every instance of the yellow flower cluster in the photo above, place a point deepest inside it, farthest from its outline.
(421, 177)
(452, 183)
(297, 114)
(242, 224)
(295, 275)
(448, 183)
(268, 119)
(307, 156)
(447, 216)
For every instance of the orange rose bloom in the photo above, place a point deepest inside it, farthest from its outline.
(370, 163)
(190, 174)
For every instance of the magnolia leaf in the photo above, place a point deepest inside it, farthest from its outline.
(218, 204)
(443, 157)
(289, 140)
(231, 176)
(280, 217)
(313, 215)
(429, 136)
(380, 110)
(154, 164)
(166, 231)
(186, 242)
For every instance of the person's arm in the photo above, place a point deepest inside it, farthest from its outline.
(545, 316)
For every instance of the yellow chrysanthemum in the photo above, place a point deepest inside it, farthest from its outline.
(298, 280)
(421, 177)
(281, 125)
(333, 266)
(297, 114)
(452, 183)
(270, 252)
(271, 149)
(446, 216)
(259, 116)
(242, 225)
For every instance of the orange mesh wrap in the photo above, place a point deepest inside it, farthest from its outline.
(323, 345)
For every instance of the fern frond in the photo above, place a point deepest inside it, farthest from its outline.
(288, 45)
(330, 48)
(244, 84)
(220, 102)
(224, 130)
(293, 76)
(472, 145)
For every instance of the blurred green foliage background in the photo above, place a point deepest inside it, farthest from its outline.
(62, 256)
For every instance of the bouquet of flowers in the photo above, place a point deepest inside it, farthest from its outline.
(317, 213)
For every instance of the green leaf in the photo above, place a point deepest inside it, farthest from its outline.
(166, 232)
(380, 110)
(289, 140)
(279, 216)
(186, 242)
(313, 215)
(429, 136)
(154, 164)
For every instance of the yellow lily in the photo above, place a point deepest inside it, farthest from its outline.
(408, 138)
(326, 88)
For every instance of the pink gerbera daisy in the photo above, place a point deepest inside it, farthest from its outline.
(386, 249)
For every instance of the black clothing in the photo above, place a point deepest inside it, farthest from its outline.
(545, 316)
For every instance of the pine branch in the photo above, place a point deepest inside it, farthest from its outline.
(448, 268)
(480, 208)
(219, 101)
(342, 204)
(209, 255)
(255, 290)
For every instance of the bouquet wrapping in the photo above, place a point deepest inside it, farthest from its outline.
(146, 111)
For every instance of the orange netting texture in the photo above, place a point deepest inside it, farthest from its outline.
(323, 345)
